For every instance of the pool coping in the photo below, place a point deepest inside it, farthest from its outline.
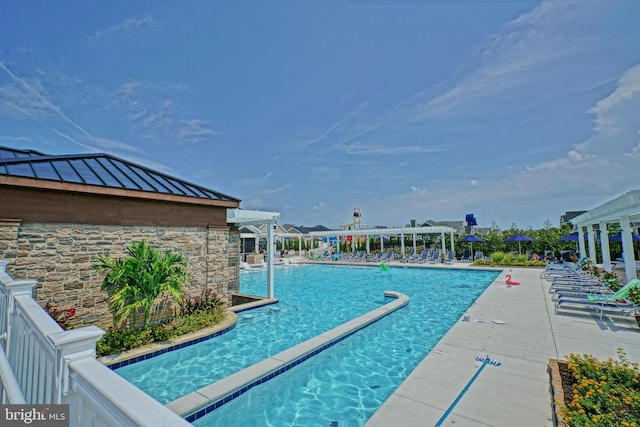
(208, 398)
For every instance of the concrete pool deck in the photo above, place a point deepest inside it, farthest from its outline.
(518, 327)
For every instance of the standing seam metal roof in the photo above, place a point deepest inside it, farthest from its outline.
(101, 170)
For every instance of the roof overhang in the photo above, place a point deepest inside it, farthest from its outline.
(626, 205)
(251, 217)
(384, 231)
(41, 184)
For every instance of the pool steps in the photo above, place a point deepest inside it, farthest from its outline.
(201, 402)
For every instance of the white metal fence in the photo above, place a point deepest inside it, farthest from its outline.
(40, 363)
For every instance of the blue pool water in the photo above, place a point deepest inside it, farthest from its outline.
(347, 382)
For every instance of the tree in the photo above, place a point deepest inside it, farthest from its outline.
(137, 281)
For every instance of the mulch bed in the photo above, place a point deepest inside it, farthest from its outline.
(562, 382)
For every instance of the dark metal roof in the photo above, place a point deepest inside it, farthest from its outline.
(101, 170)
(7, 152)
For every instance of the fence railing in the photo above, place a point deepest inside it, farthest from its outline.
(40, 363)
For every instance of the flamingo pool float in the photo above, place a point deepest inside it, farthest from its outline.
(509, 281)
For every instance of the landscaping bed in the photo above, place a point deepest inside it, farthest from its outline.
(590, 392)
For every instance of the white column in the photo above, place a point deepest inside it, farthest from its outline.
(627, 248)
(583, 251)
(381, 243)
(444, 248)
(401, 244)
(368, 245)
(604, 247)
(593, 256)
(451, 243)
(271, 247)
(414, 243)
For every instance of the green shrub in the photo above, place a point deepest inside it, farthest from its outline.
(521, 259)
(116, 341)
(497, 257)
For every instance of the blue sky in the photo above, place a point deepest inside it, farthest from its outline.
(513, 110)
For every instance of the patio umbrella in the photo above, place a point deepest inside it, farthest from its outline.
(471, 238)
(519, 238)
(573, 237)
(618, 237)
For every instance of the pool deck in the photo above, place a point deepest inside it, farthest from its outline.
(518, 327)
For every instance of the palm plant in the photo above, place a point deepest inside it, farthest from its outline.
(138, 280)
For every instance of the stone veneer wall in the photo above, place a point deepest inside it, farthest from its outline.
(60, 256)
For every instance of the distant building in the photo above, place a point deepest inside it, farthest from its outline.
(568, 216)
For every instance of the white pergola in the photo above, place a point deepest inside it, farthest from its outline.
(245, 217)
(394, 231)
(623, 210)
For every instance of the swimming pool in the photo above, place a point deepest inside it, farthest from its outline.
(363, 369)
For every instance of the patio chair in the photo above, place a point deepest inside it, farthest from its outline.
(435, 257)
(479, 255)
(466, 256)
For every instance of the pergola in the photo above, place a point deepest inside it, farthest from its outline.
(623, 210)
(245, 217)
(394, 231)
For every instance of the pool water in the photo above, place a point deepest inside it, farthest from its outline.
(345, 383)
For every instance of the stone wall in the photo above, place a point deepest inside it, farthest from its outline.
(60, 256)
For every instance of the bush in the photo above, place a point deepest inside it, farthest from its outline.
(605, 393)
(116, 341)
(497, 257)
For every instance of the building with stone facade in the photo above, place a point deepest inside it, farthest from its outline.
(58, 212)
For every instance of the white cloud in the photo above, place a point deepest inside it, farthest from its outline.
(194, 130)
(272, 191)
(474, 183)
(321, 206)
(390, 149)
(129, 26)
(526, 45)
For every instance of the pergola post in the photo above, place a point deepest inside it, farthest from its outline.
(271, 248)
(627, 248)
(583, 251)
(401, 244)
(593, 256)
(604, 246)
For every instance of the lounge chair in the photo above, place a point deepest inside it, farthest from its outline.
(478, 255)
(466, 256)
(451, 257)
(407, 257)
(435, 257)
(422, 258)
(573, 303)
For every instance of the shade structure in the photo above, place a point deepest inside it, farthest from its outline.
(471, 238)
(519, 238)
(618, 237)
(573, 237)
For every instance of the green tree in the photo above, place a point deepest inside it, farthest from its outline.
(138, 280)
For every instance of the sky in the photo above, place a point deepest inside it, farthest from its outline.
(513, 110)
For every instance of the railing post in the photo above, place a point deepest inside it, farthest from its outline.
(14, 289)
(70, 346)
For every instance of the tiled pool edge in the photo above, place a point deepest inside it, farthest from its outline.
(201, 402)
